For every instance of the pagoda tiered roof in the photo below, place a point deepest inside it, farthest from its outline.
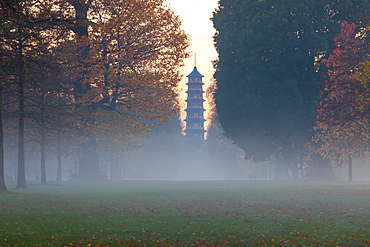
(195, 73)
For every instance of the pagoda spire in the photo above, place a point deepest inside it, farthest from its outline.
(195, 59)
(194, 105)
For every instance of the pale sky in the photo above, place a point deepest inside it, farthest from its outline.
(195, 15)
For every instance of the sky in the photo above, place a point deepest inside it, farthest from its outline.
(195, 16)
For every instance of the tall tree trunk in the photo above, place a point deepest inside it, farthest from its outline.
(42, 153)
(350, 168)
(294, 169)
(2, 166)
(59, 154)
(322, 169)
(42, 141)
(116, 169)
(89, 158)
(89, 168)
(302, 171)
(282, 170)
(21, 173)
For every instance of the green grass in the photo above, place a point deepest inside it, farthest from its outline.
(215, 213)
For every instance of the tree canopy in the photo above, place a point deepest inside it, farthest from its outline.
(267, 71)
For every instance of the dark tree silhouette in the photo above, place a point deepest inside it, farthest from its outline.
(267, 71)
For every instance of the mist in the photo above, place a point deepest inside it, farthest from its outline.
(167, 154)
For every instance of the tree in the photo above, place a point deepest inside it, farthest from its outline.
(18, 42)
(28, 38)
(226, 159)
(123, 71)
(160, 155)
(267, 71)
(46, 109)
(342, 120)
(2, 166)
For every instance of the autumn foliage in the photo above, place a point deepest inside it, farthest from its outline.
(343, 114)
(126, 68)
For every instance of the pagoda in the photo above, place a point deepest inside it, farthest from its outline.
(194, 106)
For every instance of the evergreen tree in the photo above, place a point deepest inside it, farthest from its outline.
(267, 72)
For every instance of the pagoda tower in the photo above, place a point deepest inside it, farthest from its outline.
(194, 106)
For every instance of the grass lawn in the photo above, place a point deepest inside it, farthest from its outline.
(210, 213)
